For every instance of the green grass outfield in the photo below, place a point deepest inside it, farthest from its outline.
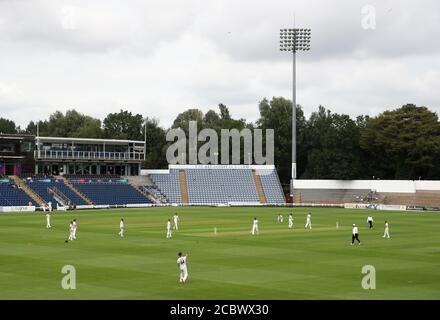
(278, 264)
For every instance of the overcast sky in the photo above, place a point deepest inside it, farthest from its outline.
(159, 58)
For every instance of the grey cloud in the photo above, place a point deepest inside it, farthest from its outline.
(159, 57)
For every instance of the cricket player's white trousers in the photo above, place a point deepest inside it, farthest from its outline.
(168, 233)
(121, 233)
(308, 224)
(386, 234)
(183, 275)
(255, 230)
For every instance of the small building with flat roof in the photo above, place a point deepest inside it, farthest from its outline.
(16, 154)
(60, 156)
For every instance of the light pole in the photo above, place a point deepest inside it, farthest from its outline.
(294, 40)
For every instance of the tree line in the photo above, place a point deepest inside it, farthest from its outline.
(403, 143)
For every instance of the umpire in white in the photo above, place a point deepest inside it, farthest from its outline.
(355, 235)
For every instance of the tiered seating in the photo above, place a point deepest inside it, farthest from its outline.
(156, 193)
(331, 196)
(12, 195)
(271, 186)
(214, 186)
(168, 184)
(39, 186)
(110, 193)
(91, 176)
(419, 198)
(427, 198)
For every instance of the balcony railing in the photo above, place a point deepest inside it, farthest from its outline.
(88, 155)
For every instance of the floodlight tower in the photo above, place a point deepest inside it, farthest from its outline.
(294, 40)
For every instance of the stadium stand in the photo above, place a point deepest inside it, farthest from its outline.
(331, 196)
(271, 186)
(422, 198)
(13, 195)
(168, 184)
(213, 185)
(91, 176)
(43, 186)
(110, 192)
(154, 191)
(221, 186)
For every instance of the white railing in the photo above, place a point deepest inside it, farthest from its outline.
(87, 155)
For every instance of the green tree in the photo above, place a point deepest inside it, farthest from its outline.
(403, 143)
(333, 146)
(277, 114)
(224, 112)
(182, 120)
(71, 124)
(155, 145)
(123, 125)
(8, 126)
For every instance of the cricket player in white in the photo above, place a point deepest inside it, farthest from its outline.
(370, 221)
(280, 218)
(176, 220)
(121, 228)
(70, 231)
(355, 235)
(309, 221)
(75, 227)
(181, 263)
(255, 230)
(169, 229)
(48, 220)
(290, 221)
(386, 233)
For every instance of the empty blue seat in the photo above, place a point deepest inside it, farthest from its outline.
(111, 193)
(11, 195)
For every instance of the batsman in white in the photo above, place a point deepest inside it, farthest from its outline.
(168, 229)
(181, 263)
(280, 218)
(308, 221)
(290, 221)
(255, 230)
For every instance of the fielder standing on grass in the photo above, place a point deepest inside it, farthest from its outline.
(75, 227)
(70, 238)
(386, 233)
(181, 263)
(309, 221)
(355, 235)
(48, 225)
(176, 220)
(169, 229)
(121, 228)
(255, 230)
